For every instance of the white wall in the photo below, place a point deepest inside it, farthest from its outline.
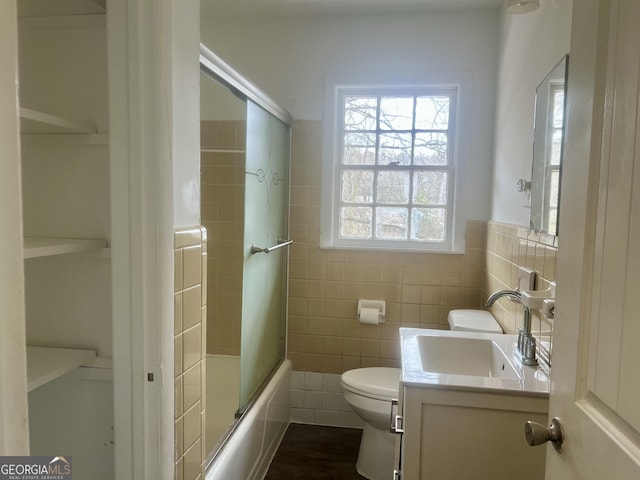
(184, 101)
(291, 57)
(219, 103)
(530, 45)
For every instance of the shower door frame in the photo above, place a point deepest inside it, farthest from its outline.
(218, 70)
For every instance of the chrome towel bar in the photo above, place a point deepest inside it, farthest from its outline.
(281, 243)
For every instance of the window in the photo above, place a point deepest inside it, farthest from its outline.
(554, 153)
(391, 168)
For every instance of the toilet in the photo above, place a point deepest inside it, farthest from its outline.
(369, 392)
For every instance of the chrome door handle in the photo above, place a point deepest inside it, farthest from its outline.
(537, 434)
(281, 243)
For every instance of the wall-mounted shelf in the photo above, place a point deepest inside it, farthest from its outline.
(45, 364)
(65, 139)
(33, 121)
(45, 247)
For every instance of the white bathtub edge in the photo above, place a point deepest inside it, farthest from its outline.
(249, 451)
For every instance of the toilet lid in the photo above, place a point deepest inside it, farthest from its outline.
(373, 381)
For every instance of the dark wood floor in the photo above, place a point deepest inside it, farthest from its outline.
(314, 452)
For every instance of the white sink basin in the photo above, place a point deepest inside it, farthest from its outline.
(479, 357)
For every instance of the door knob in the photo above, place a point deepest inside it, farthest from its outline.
(537, 434)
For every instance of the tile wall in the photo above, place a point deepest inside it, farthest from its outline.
(324, 335)
(511, 246)
(222, 211)
(317, 398)
(190, 337)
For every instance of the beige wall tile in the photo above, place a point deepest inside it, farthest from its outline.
(188, 237)
(180, 469)
(179, 409)
(192, 266)
(189, 310)
(192, 461)
(177, 313)
(191, 385)
(191, 306)
(192, 425)
(191, 347)
(419, 288)
(177, 279)
(177, 357)
(179, 433)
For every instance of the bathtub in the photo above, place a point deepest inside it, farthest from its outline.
(248, 451)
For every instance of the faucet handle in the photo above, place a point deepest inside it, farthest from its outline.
(529, 350)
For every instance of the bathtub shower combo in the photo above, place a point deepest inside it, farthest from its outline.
(244, 204)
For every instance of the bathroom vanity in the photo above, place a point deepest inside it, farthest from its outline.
(464, 400)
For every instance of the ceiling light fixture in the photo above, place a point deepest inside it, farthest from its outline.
(522, 6)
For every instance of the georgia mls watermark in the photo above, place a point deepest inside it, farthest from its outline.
(35, 468)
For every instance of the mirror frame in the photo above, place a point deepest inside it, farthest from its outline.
(541, 166)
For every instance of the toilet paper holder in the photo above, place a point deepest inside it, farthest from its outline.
(379, 305)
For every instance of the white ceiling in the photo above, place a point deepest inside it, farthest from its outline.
(210, 9)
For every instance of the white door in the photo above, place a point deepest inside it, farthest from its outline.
(596, 352)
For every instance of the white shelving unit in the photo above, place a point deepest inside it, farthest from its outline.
(45, 364)
(33, 121)
(44, 247)
(65, 186)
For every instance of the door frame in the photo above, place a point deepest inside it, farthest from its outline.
(14, 420)
(140, 39)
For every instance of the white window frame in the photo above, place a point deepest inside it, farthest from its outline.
(335, 91)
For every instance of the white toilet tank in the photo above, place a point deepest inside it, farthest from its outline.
(467, 320)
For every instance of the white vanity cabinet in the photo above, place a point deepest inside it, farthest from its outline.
(63, 89)
(468, 435)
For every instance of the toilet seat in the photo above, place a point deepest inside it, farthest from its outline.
(378, 383)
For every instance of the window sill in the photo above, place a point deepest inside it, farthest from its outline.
(363, 248)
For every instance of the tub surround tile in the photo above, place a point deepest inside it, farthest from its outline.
(189, 331)
(192, 266)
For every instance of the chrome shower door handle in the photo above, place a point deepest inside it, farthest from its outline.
(281, 243)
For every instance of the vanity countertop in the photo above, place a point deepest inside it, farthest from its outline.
(531, 380)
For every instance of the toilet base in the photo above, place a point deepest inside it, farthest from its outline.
(376, 455)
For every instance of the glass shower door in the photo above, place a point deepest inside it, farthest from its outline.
(266, 220)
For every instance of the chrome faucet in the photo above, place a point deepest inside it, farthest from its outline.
(526, 342)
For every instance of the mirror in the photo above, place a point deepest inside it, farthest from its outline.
(548, 149)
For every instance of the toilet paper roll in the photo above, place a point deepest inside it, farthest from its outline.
(370, 316)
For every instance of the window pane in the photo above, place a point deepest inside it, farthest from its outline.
(356, 186)
(431, 149)
(556, 146)
(428, 224)
(396, 113)
(360, 113)
(355, 222)
(395, 148)
(553, 220)
(558, 108)
(391, 223)
(359, 149)
(432, 113)
(430, 188)
(554, 188)
(393, 187)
